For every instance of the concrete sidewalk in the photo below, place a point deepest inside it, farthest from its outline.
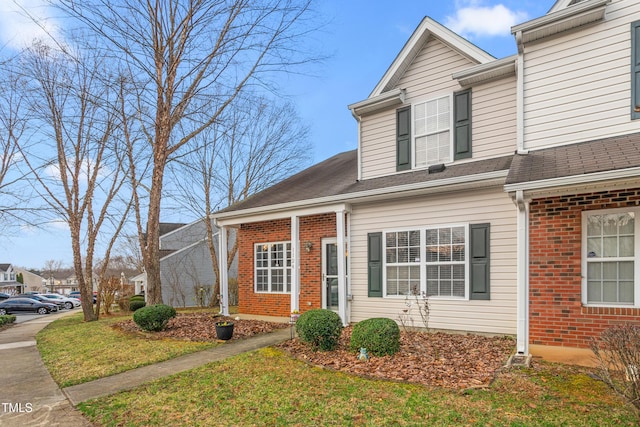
(30, 398)
(135, 377)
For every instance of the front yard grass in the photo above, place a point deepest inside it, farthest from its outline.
(75, 351)
(267, 387)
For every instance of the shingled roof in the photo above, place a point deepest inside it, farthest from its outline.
(337, 177)
(601, 155)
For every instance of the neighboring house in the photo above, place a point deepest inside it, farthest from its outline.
(186, 272)
(540, 243)
(8, 283)
(32, 281)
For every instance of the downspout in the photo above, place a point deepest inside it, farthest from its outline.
(359, 155)
(522, 294)
(520, 96)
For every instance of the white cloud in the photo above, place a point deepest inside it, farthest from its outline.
(18, 29)
(472, 19)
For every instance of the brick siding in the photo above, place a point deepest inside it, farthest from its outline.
(312, 229)
(557, 317)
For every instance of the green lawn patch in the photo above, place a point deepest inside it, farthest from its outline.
(75, 351)
(267, 387)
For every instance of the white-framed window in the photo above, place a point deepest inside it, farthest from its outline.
(610, 264)
(427, 260)
(432, 136)
(273, 267)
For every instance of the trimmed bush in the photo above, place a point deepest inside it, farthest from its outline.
(154, 317)
(7, 318)
(136, 298)
(135, 305)
(319, 328)
(380, 336)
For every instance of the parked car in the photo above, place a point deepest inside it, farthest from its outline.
(69, 303)
(40, 298)
(4, 296)
(76, 294)
(17, 305)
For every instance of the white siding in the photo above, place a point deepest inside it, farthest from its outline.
(577, 86)
(493, 110)
(493, 120)
(497, 315)
(428, 76)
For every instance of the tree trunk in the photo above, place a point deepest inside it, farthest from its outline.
(152, 249)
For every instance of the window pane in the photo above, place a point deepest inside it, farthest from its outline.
(609, 291)
(626, 246)
(626, 292)
(594, 292)
(594, 247)
(610, 245)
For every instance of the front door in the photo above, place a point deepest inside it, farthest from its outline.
(330, 274)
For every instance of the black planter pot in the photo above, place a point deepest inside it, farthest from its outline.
(224, 332)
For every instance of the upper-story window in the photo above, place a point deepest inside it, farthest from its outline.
(432, 135)
(434, 131)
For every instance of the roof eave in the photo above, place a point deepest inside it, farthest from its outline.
(559, 21)
(565, 181)
(486, 72)
(377, 103)
(486, 179)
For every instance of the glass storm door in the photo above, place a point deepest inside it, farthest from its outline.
(330, 274)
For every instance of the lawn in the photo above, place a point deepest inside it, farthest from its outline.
(270, 387)
(267, 387)
(75, 351)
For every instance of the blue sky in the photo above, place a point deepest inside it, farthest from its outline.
(362, 38)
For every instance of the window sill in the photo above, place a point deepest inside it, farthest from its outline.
(611, 310)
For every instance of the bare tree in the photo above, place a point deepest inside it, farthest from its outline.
(50, 269)
(74, 151)
(257, 143)
(190, 60)
(13, 193)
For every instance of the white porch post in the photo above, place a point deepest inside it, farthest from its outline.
(224, 273)
(342, 283)
(522, 295)
(295, 263)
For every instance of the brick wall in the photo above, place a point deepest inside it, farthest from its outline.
(312, 229)
(556, 314)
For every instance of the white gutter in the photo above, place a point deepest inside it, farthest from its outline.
(574, 180)
(486, 72)
(447, 184)
(384, 100)
(522, 292)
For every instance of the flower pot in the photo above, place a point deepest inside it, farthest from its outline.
(224, 332)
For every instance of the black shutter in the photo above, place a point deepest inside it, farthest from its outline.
(462, 124)
(635, 70)
(479, 244)
(374, 264)
(403, 139)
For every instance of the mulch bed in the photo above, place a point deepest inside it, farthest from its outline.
(201, 327)
(432, 359)
(454, 361)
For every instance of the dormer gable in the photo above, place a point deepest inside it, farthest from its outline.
(427, 28)
(419, 115)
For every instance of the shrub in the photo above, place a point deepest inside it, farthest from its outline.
(123, 303)
(7, 318)
(380, 336)
(320, 328)
(136, 304)
(154, 317)
(136, 298)
(617, 353)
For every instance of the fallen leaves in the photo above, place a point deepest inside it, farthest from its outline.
(435, 359)
(201, 327)
(455, 361)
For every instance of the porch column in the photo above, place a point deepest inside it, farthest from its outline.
(224, 273)
(295, 264)
(522, 295)
(342, 282)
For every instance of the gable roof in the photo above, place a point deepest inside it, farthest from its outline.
(580, 161)
(427, 28)
(4, 267)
